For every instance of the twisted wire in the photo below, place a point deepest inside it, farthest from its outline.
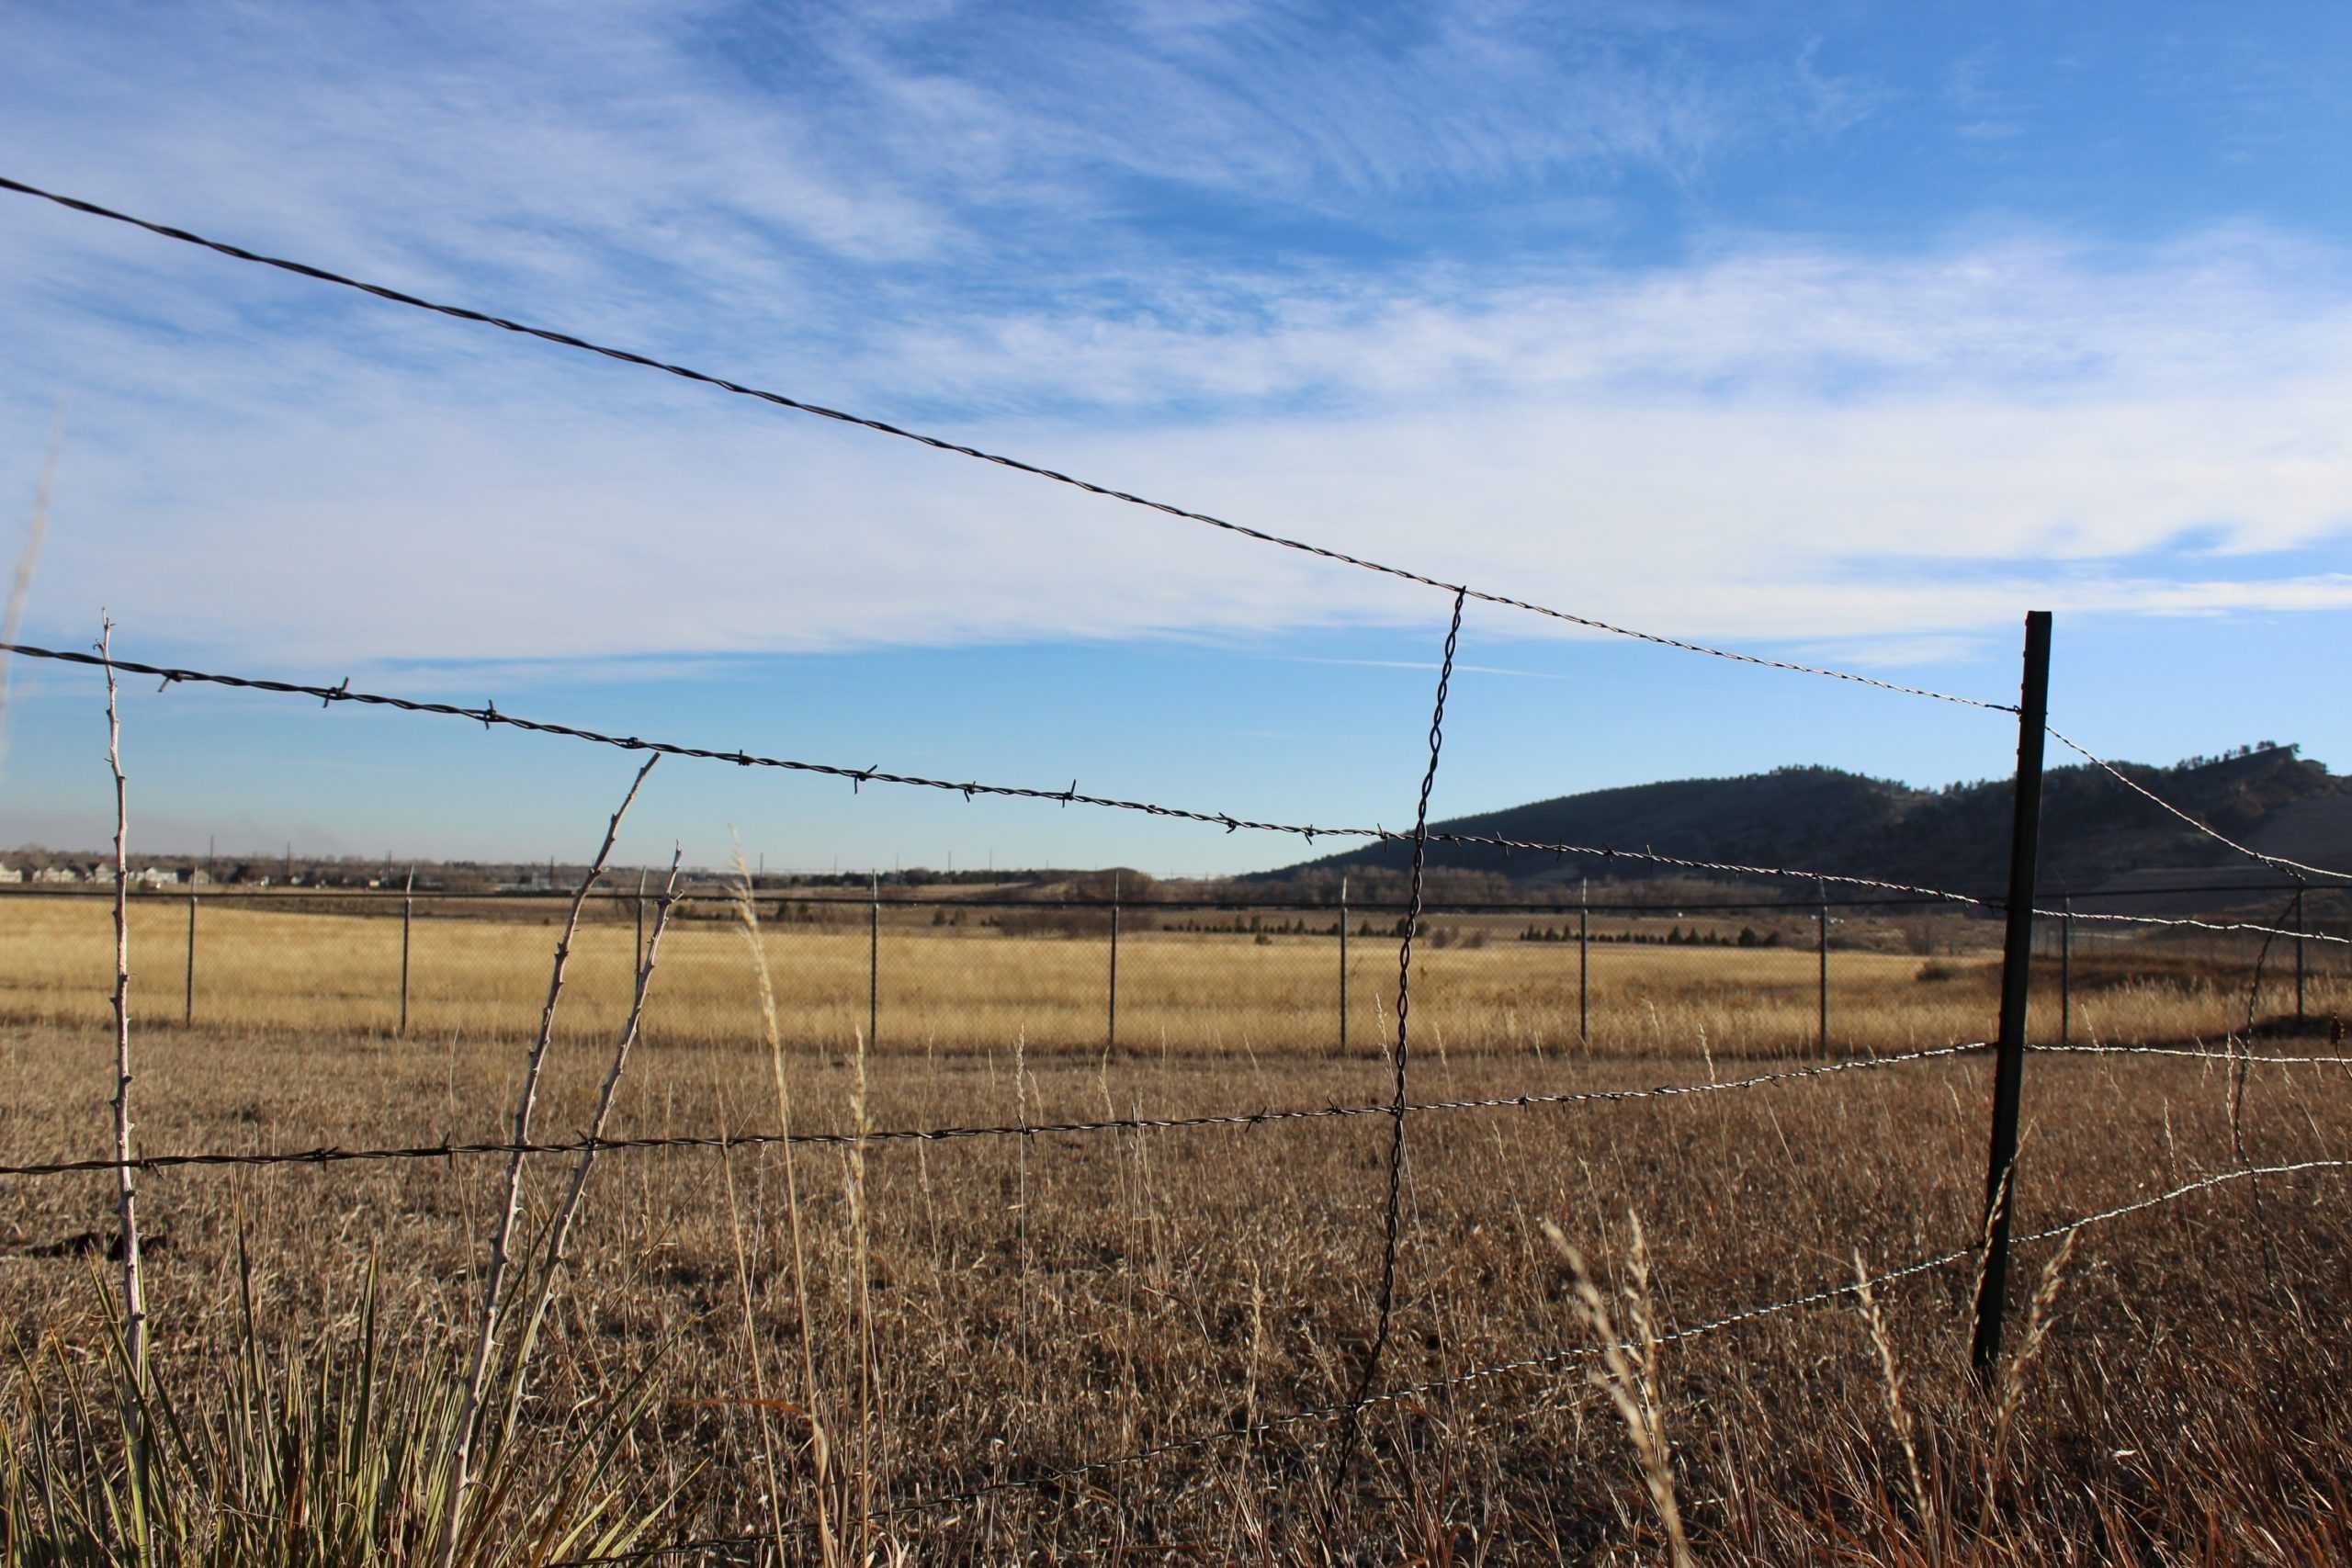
(489, 717)
(2253, 928)
(1543, 1361)
(938, 443)
(335, 1156)
(2229, 1059)
(1394, 1218)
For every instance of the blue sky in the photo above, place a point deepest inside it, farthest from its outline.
(1841, 332)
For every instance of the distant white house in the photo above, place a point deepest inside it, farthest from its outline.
(11, 874)
(156, 876)
(57, 874)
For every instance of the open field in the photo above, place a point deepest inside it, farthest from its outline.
(271, 967)
(1038, 1301)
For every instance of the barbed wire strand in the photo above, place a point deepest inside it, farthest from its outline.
(489, 717)
(938, 443)
(2297, 869)
(1396, 1211)
(1055, 1477)
(337, 1156)
(2227, 1058)
(2249, 927)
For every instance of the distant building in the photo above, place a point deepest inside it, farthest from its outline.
(11, 874)
(57, 874)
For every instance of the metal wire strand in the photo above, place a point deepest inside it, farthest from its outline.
(2295, 868)
(1541, 1362)
(626, 356)
(1395, 1217)
(490, 717)
(2231, 1059)
(336, 1156)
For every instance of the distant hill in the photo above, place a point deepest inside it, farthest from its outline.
(2094, 832)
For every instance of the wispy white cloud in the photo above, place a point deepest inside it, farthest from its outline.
(1768, 438)
(1431, 667)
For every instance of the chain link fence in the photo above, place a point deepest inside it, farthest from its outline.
(945, 975)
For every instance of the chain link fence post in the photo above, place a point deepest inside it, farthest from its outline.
(873, 962)
(1111, 1028)
(188, 1012)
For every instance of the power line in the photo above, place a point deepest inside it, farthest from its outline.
(627, 356)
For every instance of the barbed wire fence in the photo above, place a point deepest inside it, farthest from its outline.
(2008, 1049)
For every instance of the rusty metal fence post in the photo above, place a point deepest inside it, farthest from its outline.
(1343, 964)
(408, 916)
(188, 1011)
(1821, 945)
(2066, 973)
(2017, 972)
(1583, 960)
(2299, 954)
(1110, 1027)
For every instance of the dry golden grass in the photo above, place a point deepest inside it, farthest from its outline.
(990, 1311)
(267, 967)
(1034, 1303)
